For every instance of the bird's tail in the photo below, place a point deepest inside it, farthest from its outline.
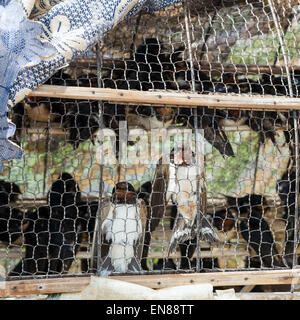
(121, 258)
(206, 230)
(183, 231)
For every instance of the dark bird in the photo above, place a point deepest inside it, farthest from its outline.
(249, 202)
(144, 193)
(210, 120)
(286, 189)
(11, 219)
(81, 121)
(155, 65)
(255, 230)
(264, 123)
(51, 239)
(123, 224)
(79, 118)
(257, 233)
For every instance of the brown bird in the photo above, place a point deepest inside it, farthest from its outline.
(178, 182)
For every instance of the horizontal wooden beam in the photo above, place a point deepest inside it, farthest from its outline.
(159, 281)
(172, 98)
(238, 295)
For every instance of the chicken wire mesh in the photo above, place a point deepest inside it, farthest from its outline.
(82, 200)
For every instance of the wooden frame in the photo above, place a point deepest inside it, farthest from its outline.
(217, 279)
(192, 100)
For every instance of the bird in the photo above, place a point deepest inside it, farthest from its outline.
(242, 205)
(249, 212)
(79, 118)
(177, 182)
(123, 223)
(210, 120)
(255, 230)
(182, 191)
(81, 121)
(154, 117)
(51, 239)
(11, 219)
(144, 193)
(286, 189)
(153, 67)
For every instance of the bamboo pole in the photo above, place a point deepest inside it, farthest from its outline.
(229, 101)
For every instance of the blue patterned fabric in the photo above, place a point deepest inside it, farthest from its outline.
(19, 48)
(37, 37)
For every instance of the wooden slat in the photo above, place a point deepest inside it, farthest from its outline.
(230, 101)
(42, 286)
(268, 296)
(237, 278)
(73, 284)
(239, 296)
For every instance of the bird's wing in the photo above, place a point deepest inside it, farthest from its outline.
(158, 200)
(104, 222)
(185, 224)
(143, 216)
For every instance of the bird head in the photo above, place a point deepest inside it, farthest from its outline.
(64, 191)
(164, 113)
(9, 192)
(123, 192)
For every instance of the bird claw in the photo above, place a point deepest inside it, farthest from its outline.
(182, 232)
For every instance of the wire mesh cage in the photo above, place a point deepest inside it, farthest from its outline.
(110, 187)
